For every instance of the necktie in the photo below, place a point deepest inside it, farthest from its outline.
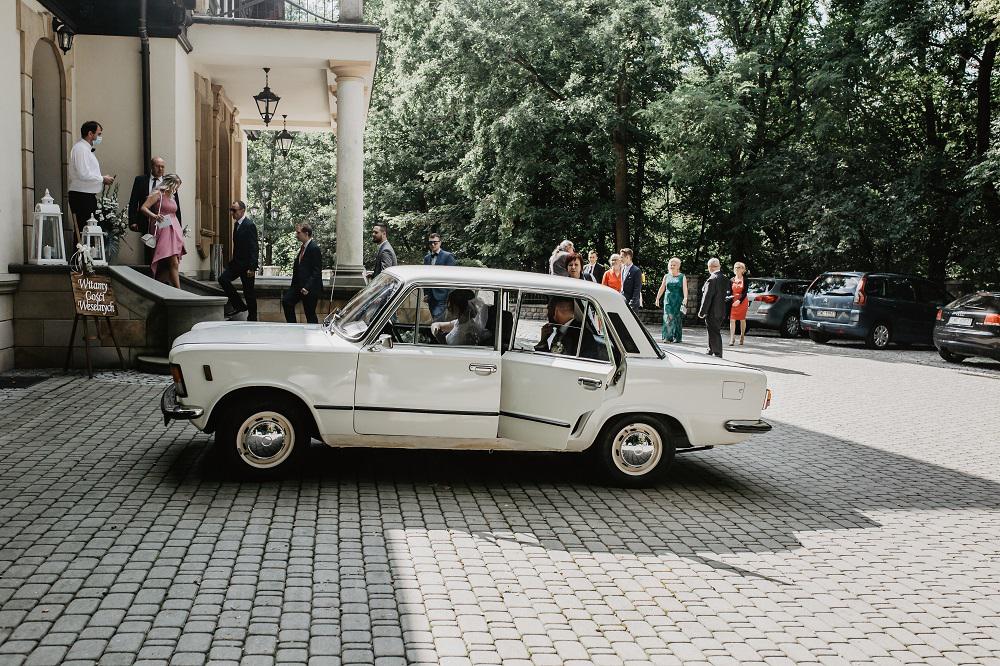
(156, 183)
(302, 252)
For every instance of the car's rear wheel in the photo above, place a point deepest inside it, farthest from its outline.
(951, 357)
(879, 336)
(819, 338)
(790, 326)
(262, 436)
(634, 450)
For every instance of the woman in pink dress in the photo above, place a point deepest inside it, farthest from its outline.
(161, 209)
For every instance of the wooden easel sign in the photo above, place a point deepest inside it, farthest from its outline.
(93, 297)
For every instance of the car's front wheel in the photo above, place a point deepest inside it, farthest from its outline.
(950, 357)
(261, 436)
(634, 450)
(790, 326)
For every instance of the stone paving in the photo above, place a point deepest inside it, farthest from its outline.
(863, 529)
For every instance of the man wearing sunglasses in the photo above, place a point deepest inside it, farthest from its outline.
(243, 264)
(437, 298)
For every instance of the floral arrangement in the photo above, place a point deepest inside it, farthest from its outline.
(113, 220)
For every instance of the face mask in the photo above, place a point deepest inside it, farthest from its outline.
(97, 140)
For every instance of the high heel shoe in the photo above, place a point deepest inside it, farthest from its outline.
(741, 342)
(731, 343)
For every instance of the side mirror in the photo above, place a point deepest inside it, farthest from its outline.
(385, 341)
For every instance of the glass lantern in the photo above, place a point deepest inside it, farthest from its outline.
(93, 239)
(48, 245)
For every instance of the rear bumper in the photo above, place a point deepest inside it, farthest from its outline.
(841, 329)
(748, 426)
(174, 412)
(968, 343)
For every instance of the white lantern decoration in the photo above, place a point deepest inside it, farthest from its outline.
(93, 239)
(48, 245)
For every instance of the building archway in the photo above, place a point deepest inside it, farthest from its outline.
(47, 121)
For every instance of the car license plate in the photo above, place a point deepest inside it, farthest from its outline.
(826, 313)
(960, 321)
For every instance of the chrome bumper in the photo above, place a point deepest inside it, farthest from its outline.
(172, 411)
(757, 426)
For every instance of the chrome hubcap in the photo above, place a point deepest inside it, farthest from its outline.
(793, 325)
(637, 449)
(881, 336)
(265, 440)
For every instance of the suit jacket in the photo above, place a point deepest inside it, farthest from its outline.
(140, 191)
(385, 257)
(245, 246)
(597, 270)
(444, 258)
(567, 342)
(308, 274)
(632, 285)
(713, 297)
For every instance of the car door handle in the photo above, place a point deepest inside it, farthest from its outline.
(590, 384)
(482, 369)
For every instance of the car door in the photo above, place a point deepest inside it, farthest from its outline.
(435, 379)
(930, 298)
(548, 387)
(903, 302)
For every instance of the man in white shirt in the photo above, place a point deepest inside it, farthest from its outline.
(85, 179)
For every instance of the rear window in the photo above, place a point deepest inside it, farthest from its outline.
(833, 284)
(759, 286)
(980, 301)
(794, 288)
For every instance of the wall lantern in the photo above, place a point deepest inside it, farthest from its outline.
(267, 101)
(63, 34)
(284, 138)
(93, 239)
(48, 246)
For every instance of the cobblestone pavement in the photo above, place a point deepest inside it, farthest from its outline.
(863, 529)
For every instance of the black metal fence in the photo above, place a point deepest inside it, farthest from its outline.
(300, 11)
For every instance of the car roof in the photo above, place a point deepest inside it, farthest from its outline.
(877, 273)
(469, 275)
(774, 279)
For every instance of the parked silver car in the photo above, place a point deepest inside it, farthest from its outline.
(775, 304)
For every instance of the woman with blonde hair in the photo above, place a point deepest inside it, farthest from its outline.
(675, 286)
(613, 276)
(161, 208)
(738, 312)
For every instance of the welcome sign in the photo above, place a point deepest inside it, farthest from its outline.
(93, 296)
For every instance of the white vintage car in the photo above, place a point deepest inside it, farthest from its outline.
(462, 358)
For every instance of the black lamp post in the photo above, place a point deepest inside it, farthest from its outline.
(284, 138)
(267, 101)
(64, 34)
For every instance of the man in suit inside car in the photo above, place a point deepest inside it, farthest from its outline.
(243, 264)
(713, 305)
(142, 187)
(307, 277)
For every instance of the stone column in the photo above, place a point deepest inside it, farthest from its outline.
(350, 178)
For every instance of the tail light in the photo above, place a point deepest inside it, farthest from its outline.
(992, 319)
(178, 377)
(859, 295)
(767, 399)
(940, 314)
(766, 298)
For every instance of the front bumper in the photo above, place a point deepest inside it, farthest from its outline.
(748, 426)
(175, 412)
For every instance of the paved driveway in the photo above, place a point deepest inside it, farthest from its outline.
(863, 529)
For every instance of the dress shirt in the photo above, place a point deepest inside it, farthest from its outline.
(434, 257)
(154, 182)
(84, 171)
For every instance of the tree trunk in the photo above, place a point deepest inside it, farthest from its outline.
(640, 218)
(984, 112)
(621, 188)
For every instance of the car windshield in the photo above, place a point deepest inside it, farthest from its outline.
(353, 321)
(983, 300)
(835, 285)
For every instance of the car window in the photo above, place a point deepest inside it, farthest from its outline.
(875, 286)
(463, 322)
(353, 321)
(794, 288)
(899, 289)
(930, 293)
(835, 284)
(982, 300)
(560, 325)
(759, 286)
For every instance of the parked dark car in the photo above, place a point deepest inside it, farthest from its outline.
(969, 326)
(775, 304)
(878, 308)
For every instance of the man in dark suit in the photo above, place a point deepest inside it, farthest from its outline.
(631, 279)
(385, 256)
(243, 264)
(307, 277)
(437, 298)
(593, 268)
(561, 334)
(713, 305)
(142, 187)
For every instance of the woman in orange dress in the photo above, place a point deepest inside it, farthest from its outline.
(738, 313)
(613, 276)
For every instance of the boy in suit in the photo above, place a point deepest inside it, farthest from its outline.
(437, 298)
(244, 263)
(307, 277)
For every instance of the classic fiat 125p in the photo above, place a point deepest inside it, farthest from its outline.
(462, 358)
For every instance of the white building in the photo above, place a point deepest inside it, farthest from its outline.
(205, 64)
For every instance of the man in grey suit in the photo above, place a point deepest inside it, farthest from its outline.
(385, 256)
(437, 298)
(713, 305)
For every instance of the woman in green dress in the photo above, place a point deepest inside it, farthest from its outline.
(675, 286)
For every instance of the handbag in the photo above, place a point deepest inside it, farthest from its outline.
(149, 239)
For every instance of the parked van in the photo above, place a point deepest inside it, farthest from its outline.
(878, 308)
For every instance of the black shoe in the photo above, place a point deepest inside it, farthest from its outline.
(240, 309)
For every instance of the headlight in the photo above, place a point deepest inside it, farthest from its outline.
(178, 376)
